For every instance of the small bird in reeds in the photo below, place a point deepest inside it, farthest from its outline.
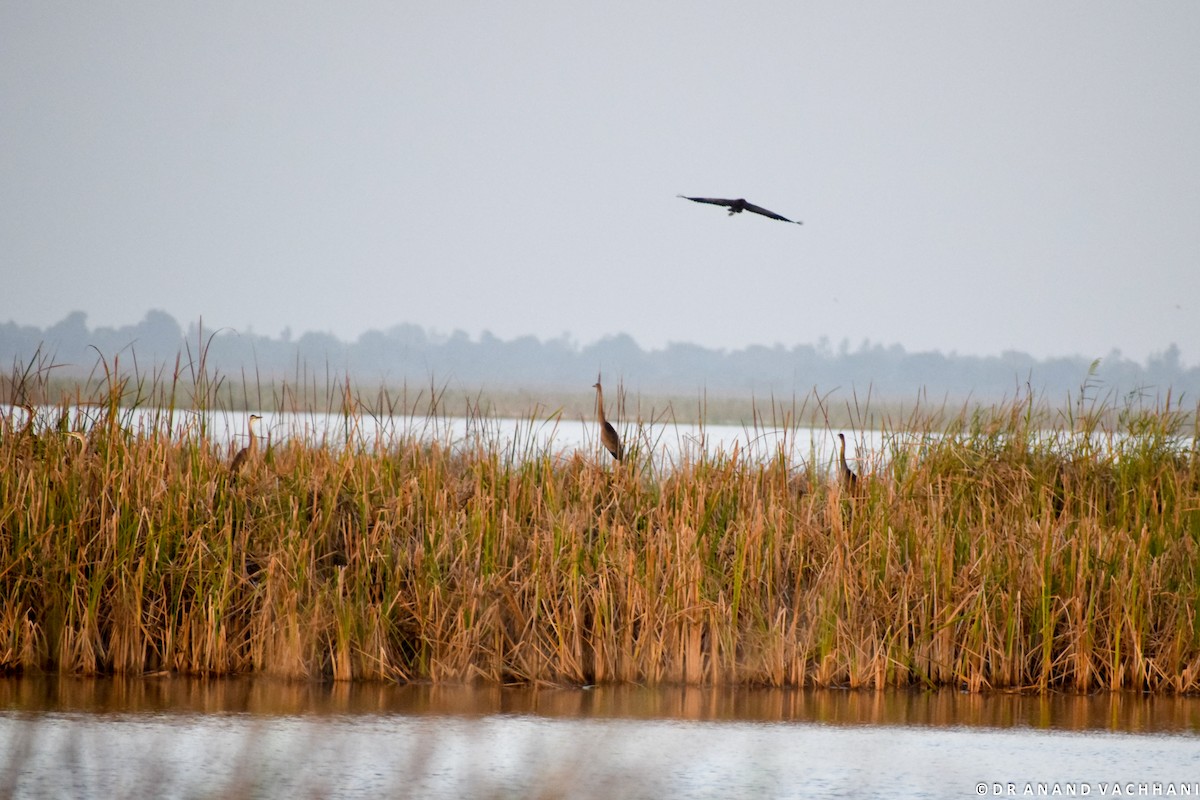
(848, 479)
(608, 434)
(246, 453)
(738, 206)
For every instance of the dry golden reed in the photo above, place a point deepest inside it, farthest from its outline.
(1011, 547)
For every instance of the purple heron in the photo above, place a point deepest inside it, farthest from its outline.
(608, 434)
(247, 452)
(849, 479)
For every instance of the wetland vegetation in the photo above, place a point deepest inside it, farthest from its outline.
(1006, 547)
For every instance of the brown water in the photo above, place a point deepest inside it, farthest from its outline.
(172, 737)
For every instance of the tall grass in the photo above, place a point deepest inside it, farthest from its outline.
(1010, 547)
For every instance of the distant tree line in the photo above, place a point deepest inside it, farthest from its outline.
(410, 355)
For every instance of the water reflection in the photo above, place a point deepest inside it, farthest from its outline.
(1118, 712)
(259, 738)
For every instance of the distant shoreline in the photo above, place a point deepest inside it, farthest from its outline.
(836, 410)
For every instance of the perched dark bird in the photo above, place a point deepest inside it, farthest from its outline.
(849, 479)
(608, 434)
(738, 206)
(247, 452)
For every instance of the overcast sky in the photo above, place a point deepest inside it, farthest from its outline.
(971, 177)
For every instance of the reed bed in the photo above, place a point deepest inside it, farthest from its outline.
(1010, 548)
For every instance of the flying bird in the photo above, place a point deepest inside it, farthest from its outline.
(738, 206)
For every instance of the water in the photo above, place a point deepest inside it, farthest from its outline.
(665, 443)
(255, 738)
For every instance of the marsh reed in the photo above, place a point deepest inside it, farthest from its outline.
(1008, 547)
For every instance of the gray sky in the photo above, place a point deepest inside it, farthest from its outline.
(971, 177)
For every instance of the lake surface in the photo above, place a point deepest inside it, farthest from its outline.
(171, 737)
(664, 442)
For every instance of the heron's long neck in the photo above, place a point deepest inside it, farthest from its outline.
(253, 437)
(600, 404)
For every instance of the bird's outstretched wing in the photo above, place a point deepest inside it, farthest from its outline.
(739, 205)
(716, 201)
(765, 213)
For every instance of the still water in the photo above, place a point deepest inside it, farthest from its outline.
(662, 443)
(180, 738)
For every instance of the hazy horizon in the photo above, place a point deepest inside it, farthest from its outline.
(971, 179)
(290, 334)
(411, 355)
